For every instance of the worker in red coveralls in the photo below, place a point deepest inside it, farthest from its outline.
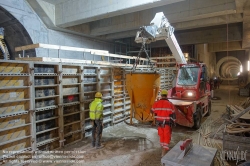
(164, 119)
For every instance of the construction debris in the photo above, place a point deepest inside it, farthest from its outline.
(236, 128)
(184, 153)
(245, 103)
(237, 112)
(236, 135)
(207, 136)
(229, 133)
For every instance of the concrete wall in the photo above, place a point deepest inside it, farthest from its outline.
(39, 33)
(206, 57)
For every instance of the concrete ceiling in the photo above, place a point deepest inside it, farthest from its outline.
(223, 24)
(202, 20)
(55, 2)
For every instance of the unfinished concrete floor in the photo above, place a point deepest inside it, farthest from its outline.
(135, 146)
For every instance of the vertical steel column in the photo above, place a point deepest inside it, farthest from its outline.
(112, 94)
(60, 104)
(32, 106)
(81, 96)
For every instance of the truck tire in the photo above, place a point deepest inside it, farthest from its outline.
(209, 109)
(197, 119)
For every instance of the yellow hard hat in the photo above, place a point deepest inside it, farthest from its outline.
(98, 94)
(164, 92)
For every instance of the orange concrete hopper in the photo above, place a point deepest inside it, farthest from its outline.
(143, 89)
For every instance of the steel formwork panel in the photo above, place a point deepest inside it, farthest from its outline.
(59, 93)
(15, 114)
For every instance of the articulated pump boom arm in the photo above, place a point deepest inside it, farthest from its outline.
(160, 29)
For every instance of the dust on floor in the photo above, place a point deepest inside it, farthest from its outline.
(139, 146)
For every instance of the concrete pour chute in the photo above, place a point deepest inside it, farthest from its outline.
(143, 89)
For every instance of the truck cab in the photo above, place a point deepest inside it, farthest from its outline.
(191, 82)
(191, 95)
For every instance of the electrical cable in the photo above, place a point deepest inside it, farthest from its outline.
(228, 60)
(237, 128)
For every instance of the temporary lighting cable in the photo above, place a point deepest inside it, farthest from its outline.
(228, 60)
(237, 128)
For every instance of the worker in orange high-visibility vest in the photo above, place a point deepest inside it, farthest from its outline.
(164, 118)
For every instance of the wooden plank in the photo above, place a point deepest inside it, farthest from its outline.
(245, 116)
(49, 146)
(228, 145)
(236, 143)
(13, 68)
(15, 146)
(234, 138)
(121, 56)
(50, 46)
(67, 48)
(92, 51)
(46, 59)
(100, 52)
(239, 110)
(12, 108)
(72, 138)
(240, 114)
(165, 57)
(13, 121)
(165, 63)
(27, 47)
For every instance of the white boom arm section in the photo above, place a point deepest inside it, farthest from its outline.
(160, 29)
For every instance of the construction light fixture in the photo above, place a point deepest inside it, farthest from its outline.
(238, 74)
(186, 55)
(241, 68)
(190, 94)
(248, 65)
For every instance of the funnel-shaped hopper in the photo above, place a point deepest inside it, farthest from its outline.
(143, 89)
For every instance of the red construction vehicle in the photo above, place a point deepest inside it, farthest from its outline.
(191, 94)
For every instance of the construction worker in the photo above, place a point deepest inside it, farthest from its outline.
(96, 116)
(215, 83)
(218, 82)
(164, 118)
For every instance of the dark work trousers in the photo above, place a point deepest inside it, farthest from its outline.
(96, 132)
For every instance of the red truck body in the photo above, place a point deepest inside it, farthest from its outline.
(191, 94)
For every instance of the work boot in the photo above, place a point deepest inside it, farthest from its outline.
(93, 144)
(163, 152)
(99, 147)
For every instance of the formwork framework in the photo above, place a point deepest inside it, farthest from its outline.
(45, 105)
(17, 128)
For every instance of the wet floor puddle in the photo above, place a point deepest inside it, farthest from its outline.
(117, 146)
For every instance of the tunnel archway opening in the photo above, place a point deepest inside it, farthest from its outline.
(227, 68)
(15, 34)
